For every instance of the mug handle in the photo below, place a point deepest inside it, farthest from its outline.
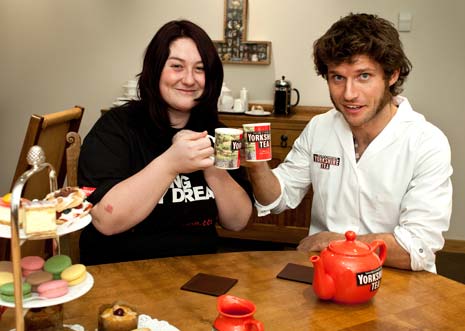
(212, 139)
(298, 97)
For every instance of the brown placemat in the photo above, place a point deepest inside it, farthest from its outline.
(209, 284)
(297, 272)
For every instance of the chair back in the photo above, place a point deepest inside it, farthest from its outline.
(49, 132)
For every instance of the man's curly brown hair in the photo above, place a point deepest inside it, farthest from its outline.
(363, 34)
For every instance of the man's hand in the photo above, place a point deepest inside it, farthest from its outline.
(318, 241)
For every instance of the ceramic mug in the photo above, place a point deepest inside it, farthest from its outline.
(227, 144)
(257, 141)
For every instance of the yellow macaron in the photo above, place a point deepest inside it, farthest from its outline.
(5, 277)
(74, 274)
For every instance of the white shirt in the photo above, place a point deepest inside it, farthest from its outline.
(400, 185)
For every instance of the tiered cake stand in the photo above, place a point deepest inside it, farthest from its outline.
(36, 159)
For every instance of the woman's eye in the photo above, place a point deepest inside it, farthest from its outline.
(176, 66)
(200, 69)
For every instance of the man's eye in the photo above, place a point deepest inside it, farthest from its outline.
(337, 78)
(364, 76)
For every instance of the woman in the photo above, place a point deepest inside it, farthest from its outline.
(157, 192)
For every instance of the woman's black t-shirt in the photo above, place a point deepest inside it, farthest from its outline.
(121, 143)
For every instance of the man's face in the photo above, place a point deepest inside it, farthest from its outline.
(360, 91)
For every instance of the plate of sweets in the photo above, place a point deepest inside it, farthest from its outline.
(58, 213)
(48, 282)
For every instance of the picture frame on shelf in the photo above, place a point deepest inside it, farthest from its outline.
(235, 48)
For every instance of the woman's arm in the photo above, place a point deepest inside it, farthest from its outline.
(233, 202)
(132, 200)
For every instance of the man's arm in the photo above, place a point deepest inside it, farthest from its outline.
(266, 188)
(396, 257)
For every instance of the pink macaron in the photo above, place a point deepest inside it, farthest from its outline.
(30, 264)
(53, 289)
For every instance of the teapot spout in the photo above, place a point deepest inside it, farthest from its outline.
(323, 284)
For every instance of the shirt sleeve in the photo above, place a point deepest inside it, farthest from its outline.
(427, 205)
(104, 161)
(293, 175)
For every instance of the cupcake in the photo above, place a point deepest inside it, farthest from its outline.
(117, 317)
(44, 319)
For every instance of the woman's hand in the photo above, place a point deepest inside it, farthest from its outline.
(190, 151)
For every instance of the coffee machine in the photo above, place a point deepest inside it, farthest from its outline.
(282, 97)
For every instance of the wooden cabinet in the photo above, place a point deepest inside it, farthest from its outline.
(292, 225)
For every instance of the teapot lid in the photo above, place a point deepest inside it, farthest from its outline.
(350, 246)
(282, 82)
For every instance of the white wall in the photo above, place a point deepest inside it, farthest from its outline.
(55, 54)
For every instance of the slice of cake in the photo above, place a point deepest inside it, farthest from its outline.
(40, 218)
(71, 204)
(5, 210)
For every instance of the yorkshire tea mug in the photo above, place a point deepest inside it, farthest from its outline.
(228, 143)
(257, 142)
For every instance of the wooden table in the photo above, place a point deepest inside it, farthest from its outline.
(405, 301)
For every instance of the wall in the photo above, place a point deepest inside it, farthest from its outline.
(55, 54)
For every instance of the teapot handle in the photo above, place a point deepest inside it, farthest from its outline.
(254, 325)
(382, 249)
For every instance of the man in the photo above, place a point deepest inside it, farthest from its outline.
(376, 167)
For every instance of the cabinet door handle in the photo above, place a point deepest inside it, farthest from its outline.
(283, 140)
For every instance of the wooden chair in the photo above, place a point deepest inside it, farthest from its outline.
(70, 242)
(48, 131)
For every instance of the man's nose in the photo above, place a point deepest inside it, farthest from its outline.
(350, 90)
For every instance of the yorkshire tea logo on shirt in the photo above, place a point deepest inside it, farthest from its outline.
(326, 161)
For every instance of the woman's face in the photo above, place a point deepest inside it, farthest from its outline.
(182, 80)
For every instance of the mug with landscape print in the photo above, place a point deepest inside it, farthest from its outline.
(257, 141)
(228, 143)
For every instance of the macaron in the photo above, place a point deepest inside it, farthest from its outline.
(53, 289)
(74, 274)
(56, 264)
(37, 278)
(6, 266)
(5, 277)
(30, 264)
(7, 291)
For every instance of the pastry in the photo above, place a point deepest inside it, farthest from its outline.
(5, 211)
(74, 274)
(53, 289)
(7, 291)
(30, 264)
(71, 203)
(117, 317)
(40, 218)
(37, 278)
(56, 264)
(44, 319)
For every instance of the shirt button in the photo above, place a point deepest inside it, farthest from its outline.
(421, 250)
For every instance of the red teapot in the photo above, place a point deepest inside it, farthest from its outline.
(236, 314)
(348, 271)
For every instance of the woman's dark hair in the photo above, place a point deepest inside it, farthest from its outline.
(205, 114)
(363, 34)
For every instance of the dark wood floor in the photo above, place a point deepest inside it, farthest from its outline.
(450, 265)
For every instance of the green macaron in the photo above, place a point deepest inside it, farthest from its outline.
(56, 264)
(7, 291)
